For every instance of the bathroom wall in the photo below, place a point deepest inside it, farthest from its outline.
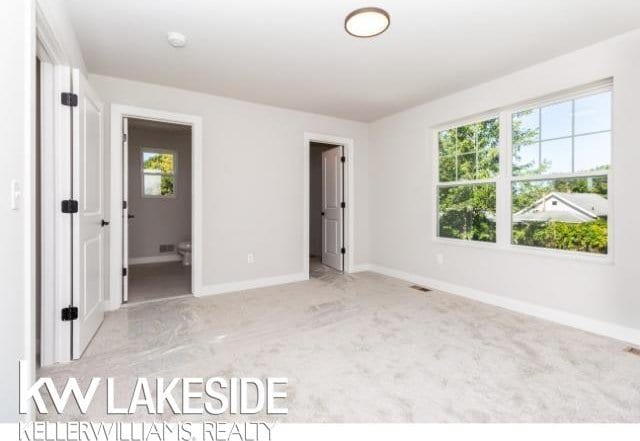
(158, 220)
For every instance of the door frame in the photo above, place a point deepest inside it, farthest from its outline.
(348, 146)
(55, 175)
(118, 112)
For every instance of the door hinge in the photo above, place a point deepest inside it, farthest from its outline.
(343, 250)
(124, 205)
(124, 272)
(124, 137)
(69, 206)
(343, 159)
(69, 313)
(69, 99)
(343, 204)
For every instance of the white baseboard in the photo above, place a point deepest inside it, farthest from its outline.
(361, 267)
(155, 259)
(250, 284)
(607, 329)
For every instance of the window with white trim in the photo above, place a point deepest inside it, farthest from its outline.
(468, 167)
(555, 176)
(158, 173)
(561, 154)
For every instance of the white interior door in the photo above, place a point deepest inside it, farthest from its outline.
(332, 217)
(89, 225)
(125, 210)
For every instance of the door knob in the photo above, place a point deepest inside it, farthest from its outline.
(104, 223)
(322, 213)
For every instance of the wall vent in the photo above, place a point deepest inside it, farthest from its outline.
(632, 350)
(419, 288)
(167, 248)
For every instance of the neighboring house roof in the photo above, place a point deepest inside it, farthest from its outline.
(592, 203)
(583, 207)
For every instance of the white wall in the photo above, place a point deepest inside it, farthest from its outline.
(17, 47)
(158, 220)
(252, 172)
(402, 203)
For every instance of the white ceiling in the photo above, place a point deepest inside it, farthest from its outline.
(295, 53)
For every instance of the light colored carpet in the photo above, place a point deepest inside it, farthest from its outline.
(152, 281)
(367, 348)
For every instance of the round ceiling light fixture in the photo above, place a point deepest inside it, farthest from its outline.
(367, 22)
(176, 39)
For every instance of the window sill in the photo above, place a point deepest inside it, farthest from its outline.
(578, 256)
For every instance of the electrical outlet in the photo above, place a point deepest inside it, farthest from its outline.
(250, 258)
(440, 258)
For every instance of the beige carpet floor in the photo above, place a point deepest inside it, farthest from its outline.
(367, 348)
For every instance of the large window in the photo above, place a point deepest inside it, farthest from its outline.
(558, 158)
(158, 173)
(468, 167)
(568, 142)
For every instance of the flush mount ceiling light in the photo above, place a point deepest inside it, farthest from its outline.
(176, 39)
(367, 22)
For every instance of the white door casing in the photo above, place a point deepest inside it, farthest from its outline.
(125, 210)
(332, 198)
(88, 232)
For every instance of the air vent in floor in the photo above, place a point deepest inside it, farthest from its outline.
(419, 288)
(632, 350)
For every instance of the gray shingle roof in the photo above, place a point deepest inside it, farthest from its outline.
(587, 206)
(546, 216)
(590, 202)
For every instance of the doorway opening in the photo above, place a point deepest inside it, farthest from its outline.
(157, 213)
(327, 203)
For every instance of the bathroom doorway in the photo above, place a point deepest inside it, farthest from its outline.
(157, 214)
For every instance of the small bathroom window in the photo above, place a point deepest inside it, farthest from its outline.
(159, 173)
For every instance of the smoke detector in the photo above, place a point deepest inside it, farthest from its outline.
(176, 39)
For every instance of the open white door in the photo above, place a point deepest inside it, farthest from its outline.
(88, 224)
(332, 208)
(125, 210)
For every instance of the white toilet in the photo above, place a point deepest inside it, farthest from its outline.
(184, 249)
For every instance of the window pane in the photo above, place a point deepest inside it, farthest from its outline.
(556, 121)
(593, 113)
(166, 187)
(152, 185)
(526, 159)
(489, 134)
(467, 166)
(158, 185)
(567, 214)
(559, 126)
(469, 152)
(447, 142)
(467, 138)
(467, 212)
(447, 169)
(158, 162)
(556, 156)
(488, 163)
(593, 152)
(525, 127)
